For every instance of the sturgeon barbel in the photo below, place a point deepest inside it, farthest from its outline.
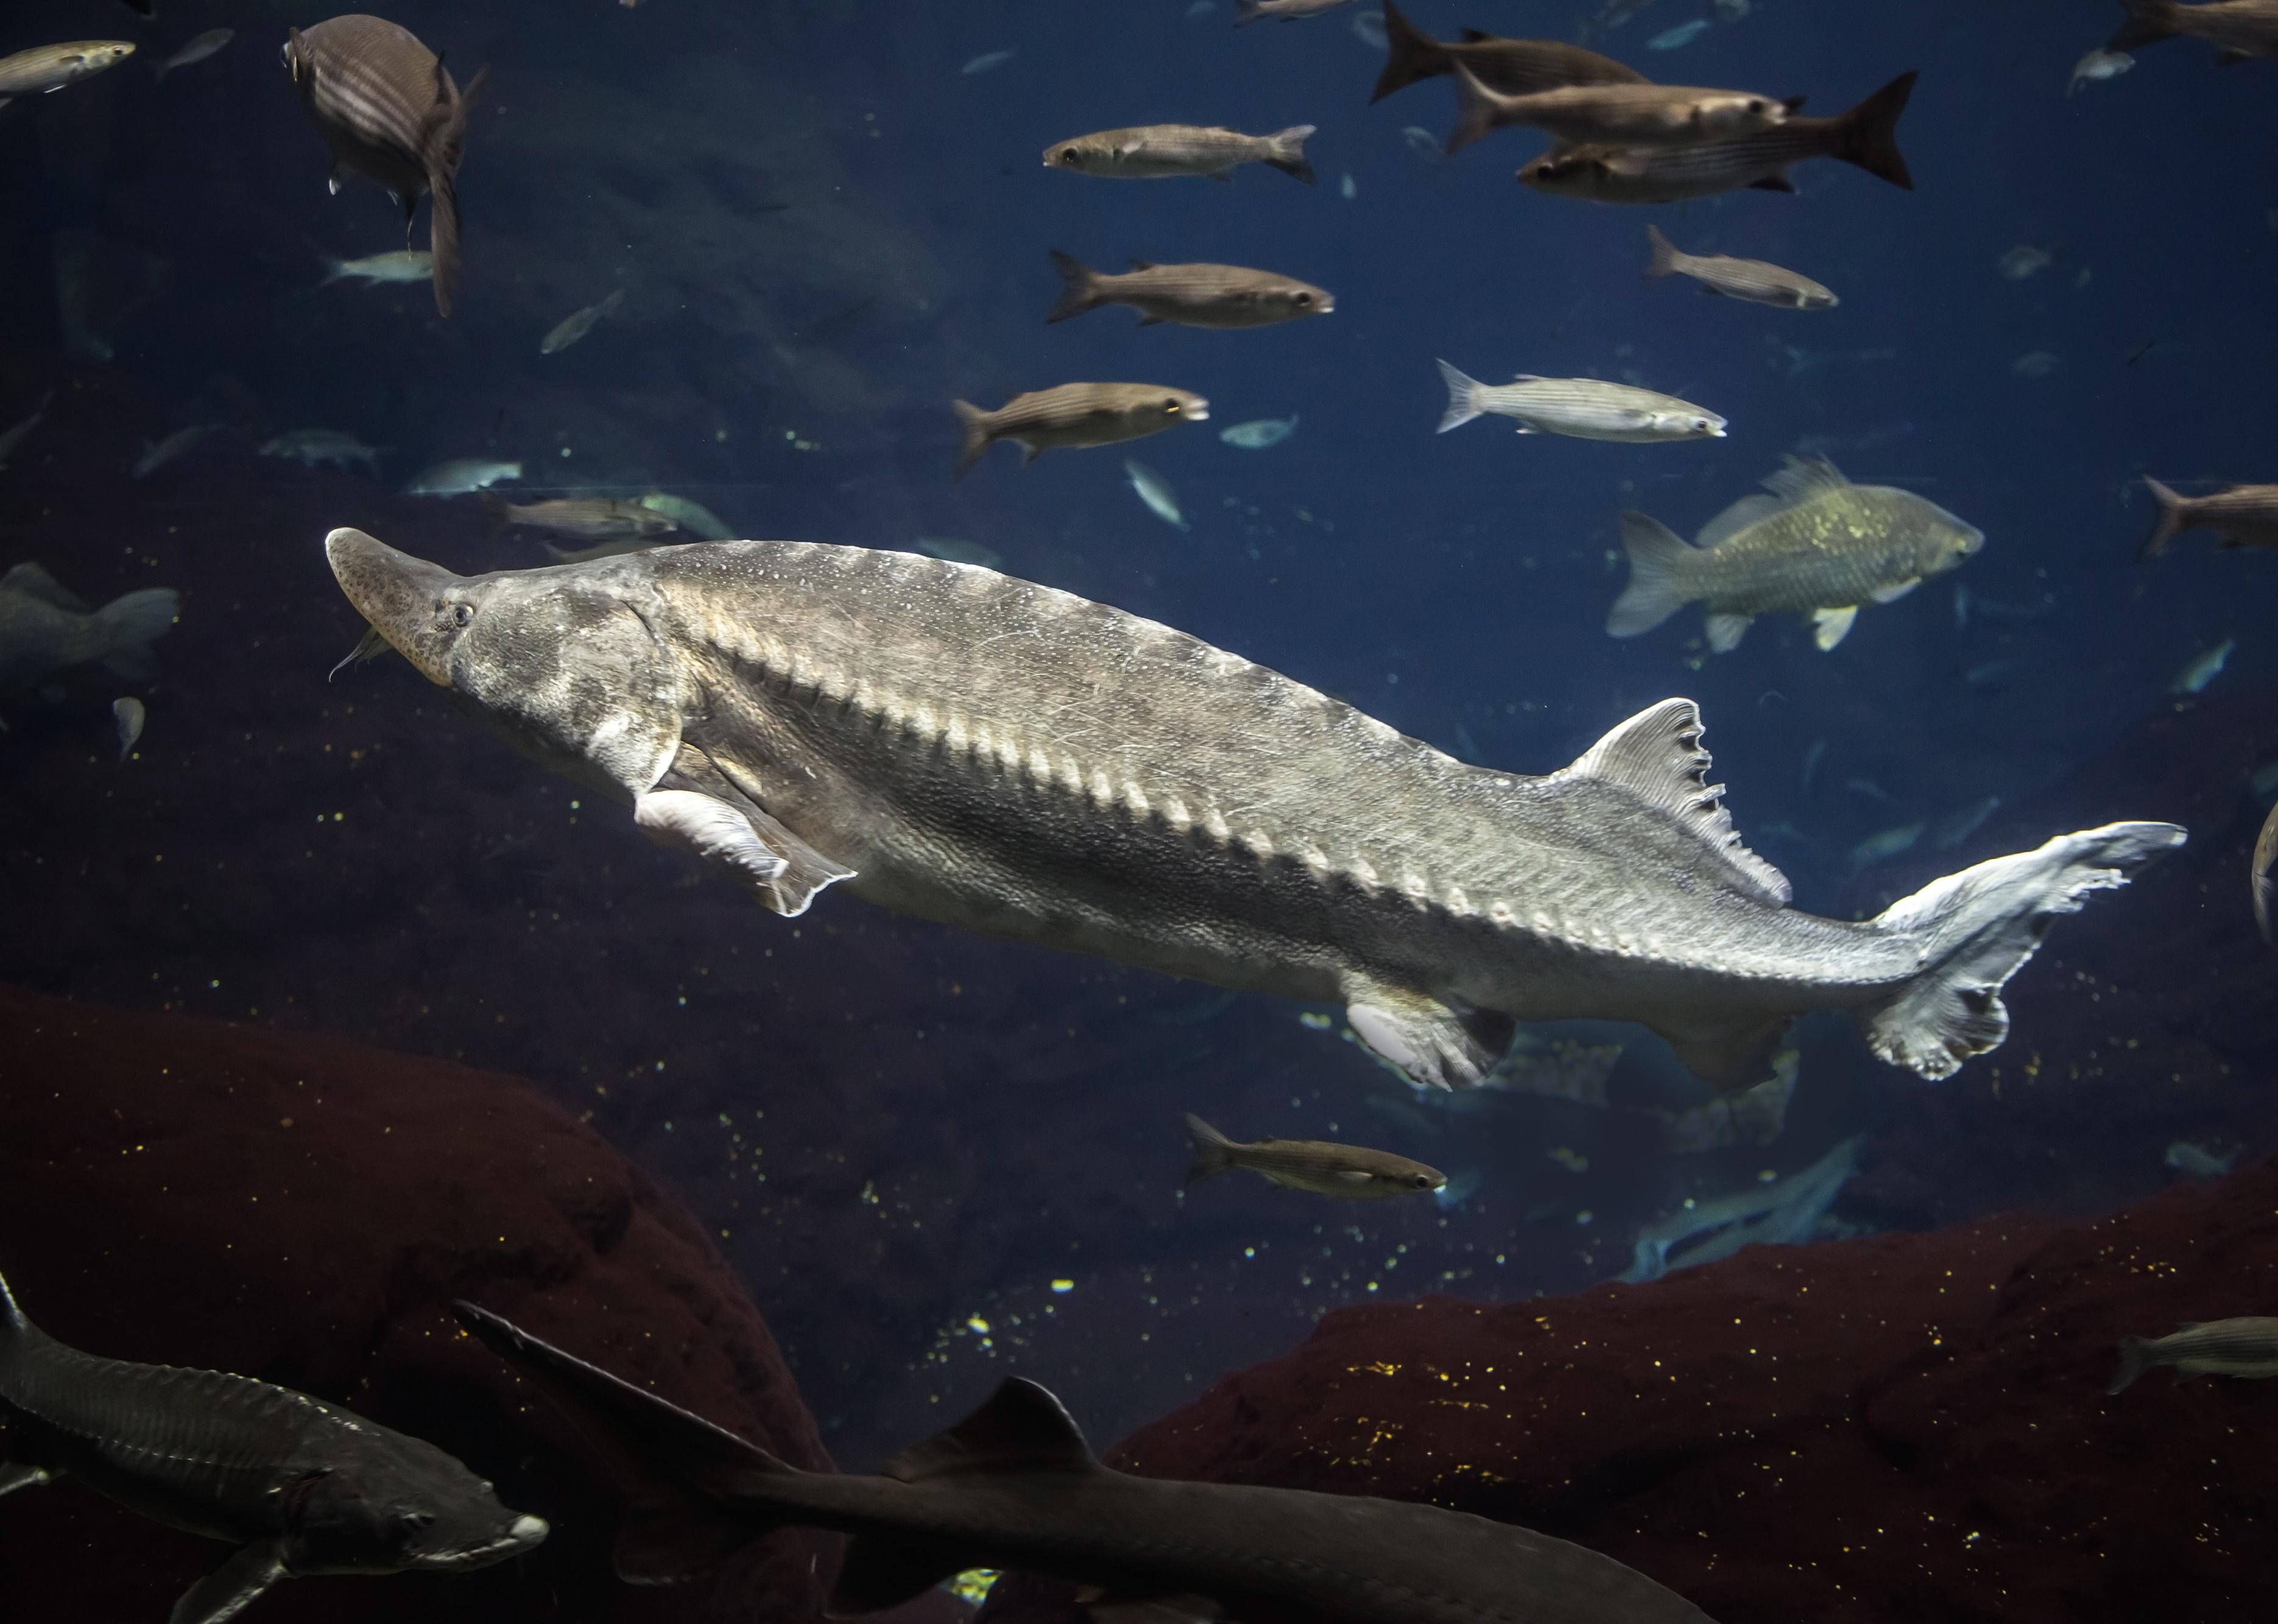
(960, 745)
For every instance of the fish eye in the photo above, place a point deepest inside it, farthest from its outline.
(1069, 156)
(1171, 407)
(1303, 299)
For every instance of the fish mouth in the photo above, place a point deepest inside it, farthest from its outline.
(524, 1533)
(397, 593)
(1198, 412)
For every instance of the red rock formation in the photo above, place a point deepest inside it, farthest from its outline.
(303, 1211)
(1905, 1428)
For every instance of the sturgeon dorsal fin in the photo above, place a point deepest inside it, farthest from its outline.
(1023, 1427)
(1656, 756)
(34, 582)
(1805, 477)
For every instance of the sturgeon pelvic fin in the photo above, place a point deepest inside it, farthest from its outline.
(233, 1587)
(1429, 1043)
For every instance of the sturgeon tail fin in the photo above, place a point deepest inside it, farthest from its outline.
(1658, 587)
(2149, 21)
(1664, 263)
(1412, 56)
(131, 624)
(1286, 151)
(974, 423)
(1977, 927)
(1078, 288)
(2134, 1359)
(694, 1494)
(1210, 1148)
(1869, 133)
(1463, 398)
(2168, 525)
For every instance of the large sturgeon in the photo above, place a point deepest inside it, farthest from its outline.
(967, 747)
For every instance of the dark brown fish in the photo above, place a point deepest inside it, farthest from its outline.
(1623, 116)
(586, 518)
(2242, 516)
(1074, 415)
(1220, 296)
(388, 111)
(1866, 136)
(1350, 1172)
(1516, 67)
(2241, 29)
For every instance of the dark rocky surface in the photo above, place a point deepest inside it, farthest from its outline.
(303, 1211)
(1896, 1429)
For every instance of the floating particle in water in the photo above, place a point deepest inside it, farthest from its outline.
(987, 60)
(2038, 363)
(1369, 26)
(1422, 142)
(1349, 187)
(129, 715)
(1681, 35)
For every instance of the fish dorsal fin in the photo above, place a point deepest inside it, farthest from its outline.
(1805, 477)
(1142, 265)
(1656, 756)
(1473, 36)
(1022, 1428)
(1735, 518)
(32, 582)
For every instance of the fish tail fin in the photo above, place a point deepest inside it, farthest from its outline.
(1078, 288)
(12, 1322)
(335, 271)
(1286, 152)
(159, 71)
(976, 425)
(1246, 11)
(1463, 399)
(1867, 136)
(1474, 110)
(2149, 21)
(1976, 928)
(1664, 263)
(1212, 1150)
(1658, 587)
(445, 144)
(2170, 522)
(694, 1493)
(2134, 1359)
(1410, 53)
(131, 624)
(443, 237)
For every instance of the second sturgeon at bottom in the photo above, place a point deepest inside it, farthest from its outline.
(967, 747)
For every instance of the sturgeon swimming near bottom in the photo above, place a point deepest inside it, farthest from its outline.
(970, 748)
(1013, 1486)
(299, 1487)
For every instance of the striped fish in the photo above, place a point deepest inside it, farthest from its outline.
(47, 68)
(1757, 281)
(1866, 136)
(2220, 1347)
(1221, 296)
(1586, 409)
(388, 111)
(1623, 116)
(2242, 516)
(1074, 415)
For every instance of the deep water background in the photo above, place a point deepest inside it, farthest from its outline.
(825, 230)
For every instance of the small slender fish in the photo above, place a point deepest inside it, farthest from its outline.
(583, 518)
(2025, 260)
(2035, 363)
(13, 438)
(45, 69)
(1582, 407)
(1958, 827)
(1882, 847)
(987, 60)
(2259, 876)
(957, 552)
(693, 517)
(1072, 416)
(2197, 1160)
(1630, 116)
(1217, 296)
(460, 476)
(1516, 67)
(129, 716)
(1754, 280)
(1349, 1171)
(1288, 11)
(389, 111)
(1259, 432)
(2203, 668)
(576, 326)
(46, 628)
(2242, 516)
(1160, 151)
(1156, 491)
(1867, 136)
(618, 548)
(2245, 1347)
(197, 50)
(377, 270)
(2098, 66)
(1679, 37)
(313, 447)
(156, 456)
(2239, 29)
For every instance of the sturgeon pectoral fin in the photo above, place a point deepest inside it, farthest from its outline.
(233, 1587)
(15, 1476)
(1830, 626)
(1727, 631)
(1428, 1041)
(783, 870)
